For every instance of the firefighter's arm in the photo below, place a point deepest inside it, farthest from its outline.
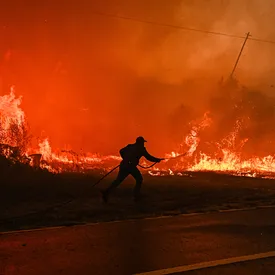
(150, 157)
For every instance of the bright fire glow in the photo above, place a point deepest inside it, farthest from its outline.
(13, 135)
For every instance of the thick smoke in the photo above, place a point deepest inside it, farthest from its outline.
(96, 82)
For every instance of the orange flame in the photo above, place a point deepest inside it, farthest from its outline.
(56, 161)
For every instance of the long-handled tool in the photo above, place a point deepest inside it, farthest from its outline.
(105, 175)
(139, 166)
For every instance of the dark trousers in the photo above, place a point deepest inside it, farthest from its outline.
(124, 172)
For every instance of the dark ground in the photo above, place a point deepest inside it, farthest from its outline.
(41, 200)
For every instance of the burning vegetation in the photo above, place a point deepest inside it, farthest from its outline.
(159, 66)
(234, 136)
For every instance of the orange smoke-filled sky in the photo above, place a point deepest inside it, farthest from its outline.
(95, 82)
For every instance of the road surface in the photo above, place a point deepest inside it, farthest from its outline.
(147, 246)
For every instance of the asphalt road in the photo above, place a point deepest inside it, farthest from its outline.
(132, 247)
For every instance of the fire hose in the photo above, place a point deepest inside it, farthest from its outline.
(144, 167)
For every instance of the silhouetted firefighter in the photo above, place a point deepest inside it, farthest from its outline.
(131, 155)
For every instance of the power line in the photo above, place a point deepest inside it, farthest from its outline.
(261, 40)
(165, 25)
(179, 27)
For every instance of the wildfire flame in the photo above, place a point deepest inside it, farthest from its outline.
(192, 140)
(12, 121)
(10, 110)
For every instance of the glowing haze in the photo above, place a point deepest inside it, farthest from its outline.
(92, 83)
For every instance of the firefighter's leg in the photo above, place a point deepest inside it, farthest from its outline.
(139, 179)
(122, 175)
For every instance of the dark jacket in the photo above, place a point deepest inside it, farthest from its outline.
(132, 153)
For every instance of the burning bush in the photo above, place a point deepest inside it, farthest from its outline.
(15, 135)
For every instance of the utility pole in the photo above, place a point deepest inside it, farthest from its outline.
(247, 36)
